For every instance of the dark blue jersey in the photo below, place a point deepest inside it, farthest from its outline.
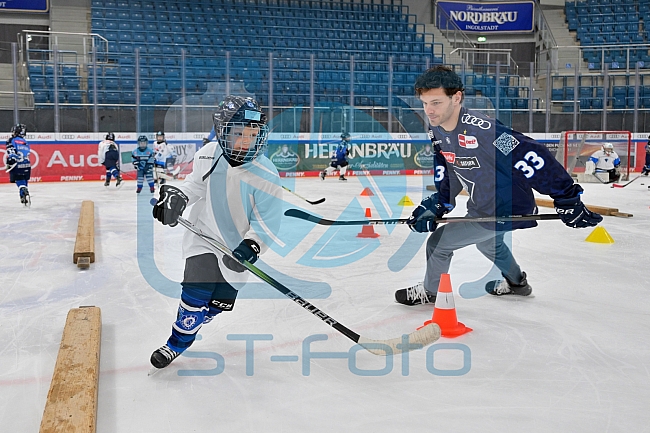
(340, 156)
(498, 167)
(18, 153)
(111, 158)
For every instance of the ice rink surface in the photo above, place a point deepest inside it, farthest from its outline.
(572, 358)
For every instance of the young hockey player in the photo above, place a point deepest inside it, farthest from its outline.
(606, 161)
(339, 158)
(102, 147)
(499, 168)
(109, 156)
(143, 161)
(165, 158)
(18, 164)
(236, 196)
(646, 168)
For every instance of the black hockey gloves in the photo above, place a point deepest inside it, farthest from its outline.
(423, 218)
(247, 250)
(574, 214)
(170, 206)
(205, 141)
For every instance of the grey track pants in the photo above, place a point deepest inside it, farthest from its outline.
(453, 236)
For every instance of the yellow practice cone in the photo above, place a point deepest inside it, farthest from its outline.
(600, 236)
(405, 201)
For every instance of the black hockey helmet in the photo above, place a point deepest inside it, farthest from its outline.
(234, 114)
(143, 142)
(160, 136)
(20, 130)
(345, 136)
(110, 136)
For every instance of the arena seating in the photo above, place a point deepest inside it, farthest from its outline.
(610, 32)
(247, 31)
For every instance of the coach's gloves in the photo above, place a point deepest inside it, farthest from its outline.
(170, 206)
(574, 214)
(423, 218)
(247, 250)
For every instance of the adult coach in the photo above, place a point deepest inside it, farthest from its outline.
(499, 168)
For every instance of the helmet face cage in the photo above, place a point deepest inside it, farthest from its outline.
(143, 141)
(110, 136)
(241, 128)
(242, 142)
(19, 130)
(608, 148)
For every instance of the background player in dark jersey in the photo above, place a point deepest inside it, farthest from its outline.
(18, 164)
(339, 158)
(499, 168)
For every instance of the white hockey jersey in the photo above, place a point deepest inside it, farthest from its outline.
(231, 204)
(604, 161)
(102, 148)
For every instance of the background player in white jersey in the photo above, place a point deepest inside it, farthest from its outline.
(606, 160)
(339, 158)
(499, 168)
(18, 164)
(109, 156)
(103, 145)
(165, 158)
(235, 194)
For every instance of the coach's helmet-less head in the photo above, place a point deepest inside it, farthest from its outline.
(608, 148)
(143, 142)
(19, 130)
(241, 129)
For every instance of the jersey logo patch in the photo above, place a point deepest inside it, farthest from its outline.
(450, 157)
(468, 119)
(467, 141)
(466, 162)
(506, 143)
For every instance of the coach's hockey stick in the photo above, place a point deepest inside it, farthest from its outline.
(415, 340)
(319, 201)
(623, 185)
(296, 213)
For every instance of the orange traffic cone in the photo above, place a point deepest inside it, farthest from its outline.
(444, 312)
(368, 231)
(367, 192)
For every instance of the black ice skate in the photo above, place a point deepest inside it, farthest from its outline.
(341, 177)
(505, 287)
(415, 295)
(118, 182)
(322, 175)
(107, 182)
(164, 356)
(24, 196)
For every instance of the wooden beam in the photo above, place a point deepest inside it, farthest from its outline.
(544, 202)
(71, 405)
(84, 246)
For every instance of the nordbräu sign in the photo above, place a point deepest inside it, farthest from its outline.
(487, 17)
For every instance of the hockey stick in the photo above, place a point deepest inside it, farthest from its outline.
(296, 213)
(618, 185)
(319, 201)
(415, 340)
(598, 177)
(8, 169)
